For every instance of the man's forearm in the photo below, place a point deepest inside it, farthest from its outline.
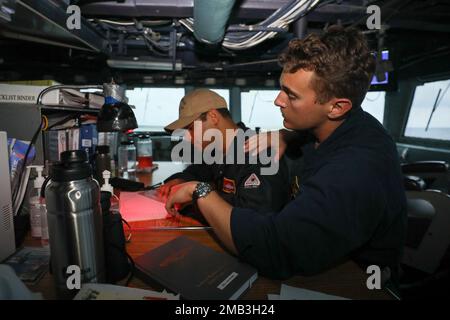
(218, 213)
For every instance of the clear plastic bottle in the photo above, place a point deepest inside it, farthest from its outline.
(127, 157)
(144, 153)
(102, 162)
(107, 187)
(35, 215)
(110, 139)
(37, 207)
(44, 225)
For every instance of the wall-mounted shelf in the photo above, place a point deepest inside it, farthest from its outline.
(69, 109)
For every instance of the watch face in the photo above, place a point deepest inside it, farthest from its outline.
(202, 190)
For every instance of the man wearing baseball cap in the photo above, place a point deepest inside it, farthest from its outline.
(241, 185)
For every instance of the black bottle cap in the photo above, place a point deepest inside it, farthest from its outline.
(73, 156)
(73, 166)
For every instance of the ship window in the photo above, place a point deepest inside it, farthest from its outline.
(224, 93)
(374, 104)
(258, 110)
(155, 107)
(429, 116)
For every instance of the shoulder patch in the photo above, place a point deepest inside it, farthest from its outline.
(228, 186)
(252, 182)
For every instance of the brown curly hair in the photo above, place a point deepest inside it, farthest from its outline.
(340, 59)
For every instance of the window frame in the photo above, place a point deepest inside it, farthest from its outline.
(423, 142)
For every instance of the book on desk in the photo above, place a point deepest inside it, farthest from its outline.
(195, 271)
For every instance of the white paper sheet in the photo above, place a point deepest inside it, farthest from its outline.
(95, 291)
(293, 293)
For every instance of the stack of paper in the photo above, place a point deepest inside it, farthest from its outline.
(95, 291)
(71, 97)
(292, 293)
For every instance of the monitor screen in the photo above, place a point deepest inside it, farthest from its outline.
(386, 82)
(375, 80)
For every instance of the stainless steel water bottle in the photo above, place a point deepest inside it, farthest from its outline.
(74, 221)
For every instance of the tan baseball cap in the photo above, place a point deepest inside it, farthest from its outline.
(193, 105)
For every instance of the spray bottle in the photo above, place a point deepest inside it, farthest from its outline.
(38, 210)
(107, 187)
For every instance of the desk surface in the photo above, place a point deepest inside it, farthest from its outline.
(346, 280)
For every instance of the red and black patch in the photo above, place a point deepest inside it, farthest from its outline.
(229, 186)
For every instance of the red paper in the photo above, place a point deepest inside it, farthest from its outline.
(141, 206)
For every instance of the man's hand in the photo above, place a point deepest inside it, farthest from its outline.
(271, 139)
(215, 210)
(165, 189)
(180, 195)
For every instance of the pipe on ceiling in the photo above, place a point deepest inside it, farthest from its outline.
(210, 19)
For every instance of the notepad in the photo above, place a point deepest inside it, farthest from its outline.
(141, 206)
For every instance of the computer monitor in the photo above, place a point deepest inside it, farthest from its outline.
(387, 81)
(7, 238)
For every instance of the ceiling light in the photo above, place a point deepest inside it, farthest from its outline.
(143, 64)
(210, 81)
(180, 80)
(240, 82)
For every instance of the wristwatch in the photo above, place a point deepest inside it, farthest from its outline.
(202, 189)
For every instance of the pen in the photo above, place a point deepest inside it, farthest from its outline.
(174, 228)
(183, 228)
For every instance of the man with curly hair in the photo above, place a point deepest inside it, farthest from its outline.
(350, 202)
